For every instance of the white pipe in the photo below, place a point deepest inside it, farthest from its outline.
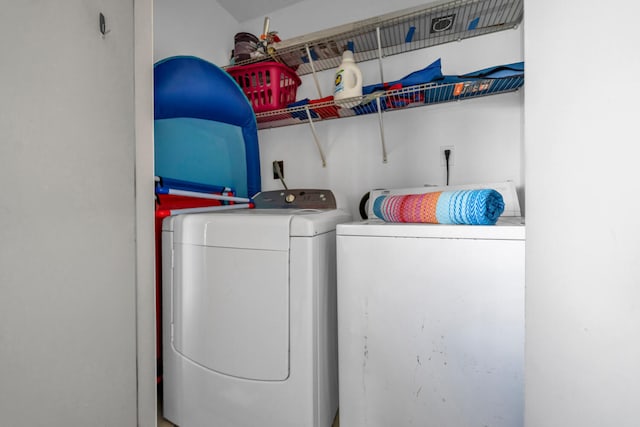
(208, 196)
(384, 147)
(379, 53)
(315, 137)
(207, 209)
(313, 70)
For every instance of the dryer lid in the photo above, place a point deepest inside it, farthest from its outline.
(253, 228)
(237, 230)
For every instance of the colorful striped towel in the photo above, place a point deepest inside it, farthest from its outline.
(473, 207)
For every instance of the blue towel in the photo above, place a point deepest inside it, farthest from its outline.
(474, 207)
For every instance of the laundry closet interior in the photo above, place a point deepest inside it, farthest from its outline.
(461, 129)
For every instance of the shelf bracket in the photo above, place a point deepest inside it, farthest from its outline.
(384, 147)
(379, 39)
(315, 137)
(313, 70)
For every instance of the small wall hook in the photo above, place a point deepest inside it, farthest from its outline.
(103, 25)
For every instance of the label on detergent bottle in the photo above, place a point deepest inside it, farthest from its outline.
(339, 82)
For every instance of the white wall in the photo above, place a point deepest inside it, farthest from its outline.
(314, 15)
(583, 234)
(193, 27)
(486, 133)
(67, 236)
(145, 229)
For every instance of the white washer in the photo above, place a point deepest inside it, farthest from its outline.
(431, 323)
(249, 318)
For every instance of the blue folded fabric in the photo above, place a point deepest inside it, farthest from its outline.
(498, 72)
(302, 115)
(432, 72)
(369, 107)
(488, 80)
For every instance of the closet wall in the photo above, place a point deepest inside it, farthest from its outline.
(583, 275)
(486, 133)
(68, 250)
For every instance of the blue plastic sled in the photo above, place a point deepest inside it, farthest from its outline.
(205, 128)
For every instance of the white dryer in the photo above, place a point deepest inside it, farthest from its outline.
(431, 322)
(249, 318)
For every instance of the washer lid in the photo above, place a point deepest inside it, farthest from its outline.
(507, 228)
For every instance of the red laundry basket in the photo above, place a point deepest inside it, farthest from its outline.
(267, 85)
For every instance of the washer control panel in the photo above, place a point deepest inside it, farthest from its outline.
(295, 199)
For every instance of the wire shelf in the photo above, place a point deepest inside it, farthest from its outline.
(399, 99)
(416, 28)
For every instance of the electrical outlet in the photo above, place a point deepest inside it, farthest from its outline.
(452, 157)
(280, 163)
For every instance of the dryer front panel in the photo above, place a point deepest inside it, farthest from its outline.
(231, 310)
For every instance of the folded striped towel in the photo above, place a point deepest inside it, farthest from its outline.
(473, 207)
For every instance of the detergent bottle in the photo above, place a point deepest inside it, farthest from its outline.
(348, 80)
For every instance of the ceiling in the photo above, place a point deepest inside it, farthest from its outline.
(244, 10)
